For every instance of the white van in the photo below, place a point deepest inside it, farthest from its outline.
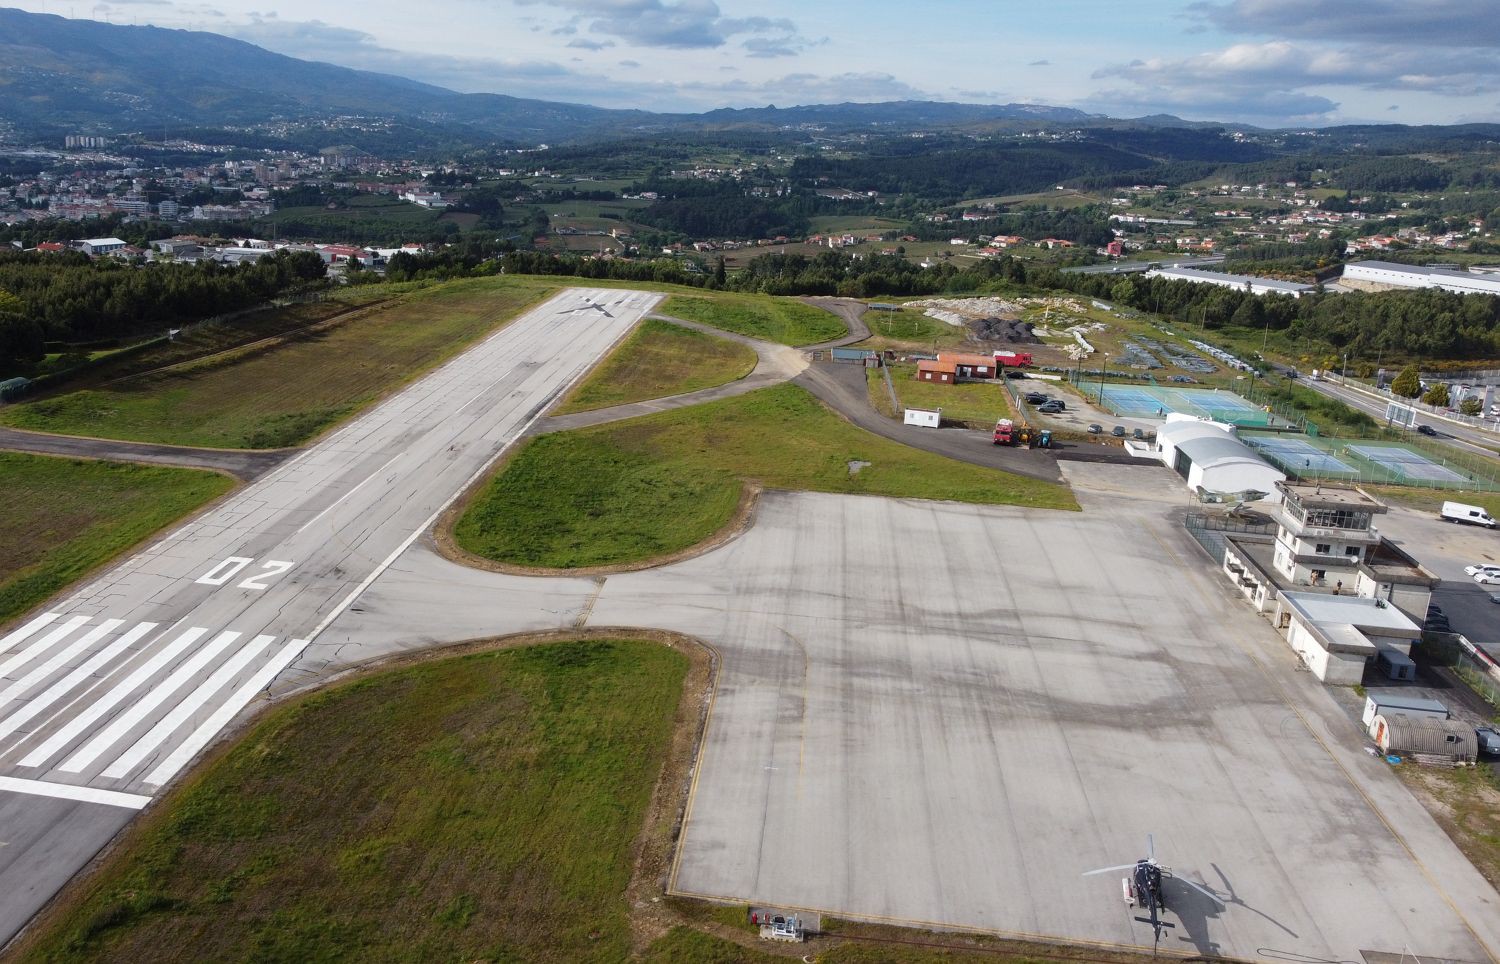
(1471, 514)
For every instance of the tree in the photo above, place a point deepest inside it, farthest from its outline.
(1437, 395)
(1408, 383)
(1471, 406)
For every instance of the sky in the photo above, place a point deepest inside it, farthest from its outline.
(1274, 63)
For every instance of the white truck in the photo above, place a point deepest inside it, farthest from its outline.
(1471, 514)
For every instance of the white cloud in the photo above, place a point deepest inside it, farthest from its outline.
(675, 24)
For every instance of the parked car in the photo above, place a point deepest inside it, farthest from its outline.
(1118, 431)
(1139, 434)
(1096, 429)
(1495, 597)
(1479, 567)
(1427, 430)
(1037, 398)
(1489, 740)
(1051, 408)
(1488, 578)
(1183, 380)
(1438, 624)
(1014, 373)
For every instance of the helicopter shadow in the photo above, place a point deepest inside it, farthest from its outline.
(1194, 911)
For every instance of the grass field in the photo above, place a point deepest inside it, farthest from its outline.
(473, 808)
(638, 489)
(760, 316)
(978, 403)
(61, 518)
(382, 207)
(910, 328)
(657, 360)
(283, 393)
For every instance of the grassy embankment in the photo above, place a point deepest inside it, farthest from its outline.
(646, 487)
(657, 360)
(979, 404)
(911, 330)
(285, 391)
(481, 807)
(773, 319)
(62, 518)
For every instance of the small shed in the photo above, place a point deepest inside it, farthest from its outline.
(1447, 740)
(1393, 704)
(971, 366)
(855, 356)
(924, 418)
(942, 372)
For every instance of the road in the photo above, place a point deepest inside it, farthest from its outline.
(1467, 439)
(245, 466)
(112, 692)
(1129, 267)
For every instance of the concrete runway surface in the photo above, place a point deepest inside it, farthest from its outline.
(110, 693)
(943, 714)
(926, 713)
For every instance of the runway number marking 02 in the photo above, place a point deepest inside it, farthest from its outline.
(234, 565)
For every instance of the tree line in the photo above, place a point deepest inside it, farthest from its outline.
(67, 297)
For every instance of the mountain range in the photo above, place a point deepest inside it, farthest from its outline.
(60, 76)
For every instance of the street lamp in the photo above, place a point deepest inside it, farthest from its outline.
(1102, 372)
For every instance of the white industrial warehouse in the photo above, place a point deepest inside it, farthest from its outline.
(1418, 276)
(1213, 460)
(1244, 282)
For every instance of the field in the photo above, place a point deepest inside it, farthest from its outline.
(373, 207)
(482, 807)
(978, 403)
(61, 518)
(281, 393)
(657, 360)
(855, 224)
(909, 328)
(647, 487)
(773, 319)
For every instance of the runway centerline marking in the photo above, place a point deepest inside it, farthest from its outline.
(346, 495)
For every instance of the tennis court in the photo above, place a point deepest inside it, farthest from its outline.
(1298, 456)
(1373, 461)
(1408, 464)
(1156, 401)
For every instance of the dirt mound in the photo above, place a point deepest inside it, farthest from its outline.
(1009, 330)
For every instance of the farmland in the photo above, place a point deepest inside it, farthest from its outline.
(634, 490)
(282, 392)
(62, 518)
(657, 360)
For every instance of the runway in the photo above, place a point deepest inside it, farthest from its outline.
(112, 692)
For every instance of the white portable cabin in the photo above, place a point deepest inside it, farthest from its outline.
(1396, 704)
(922, 417)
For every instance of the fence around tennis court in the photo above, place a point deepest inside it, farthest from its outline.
(1380, 461)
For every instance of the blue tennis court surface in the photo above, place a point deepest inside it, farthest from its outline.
(1297, 455)
(1407, 463)
(1156, 401)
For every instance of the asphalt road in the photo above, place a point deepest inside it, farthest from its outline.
(246, 466)
(942, 714)
(112, 692)
(1459, 437)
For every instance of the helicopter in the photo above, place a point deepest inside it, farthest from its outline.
(1144, 887)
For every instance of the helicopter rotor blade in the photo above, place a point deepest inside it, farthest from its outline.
(1107, 870)
(1202, 890)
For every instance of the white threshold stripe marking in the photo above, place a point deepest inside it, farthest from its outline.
(209, 728)
(147, 704)
(60, 660)
(26, 631)
(64, 791)
(168, 724)
(110, 700)
(41, 646)
(346, 495)
(61, 688)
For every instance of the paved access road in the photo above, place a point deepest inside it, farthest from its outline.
(243, 465)
(109, 694)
